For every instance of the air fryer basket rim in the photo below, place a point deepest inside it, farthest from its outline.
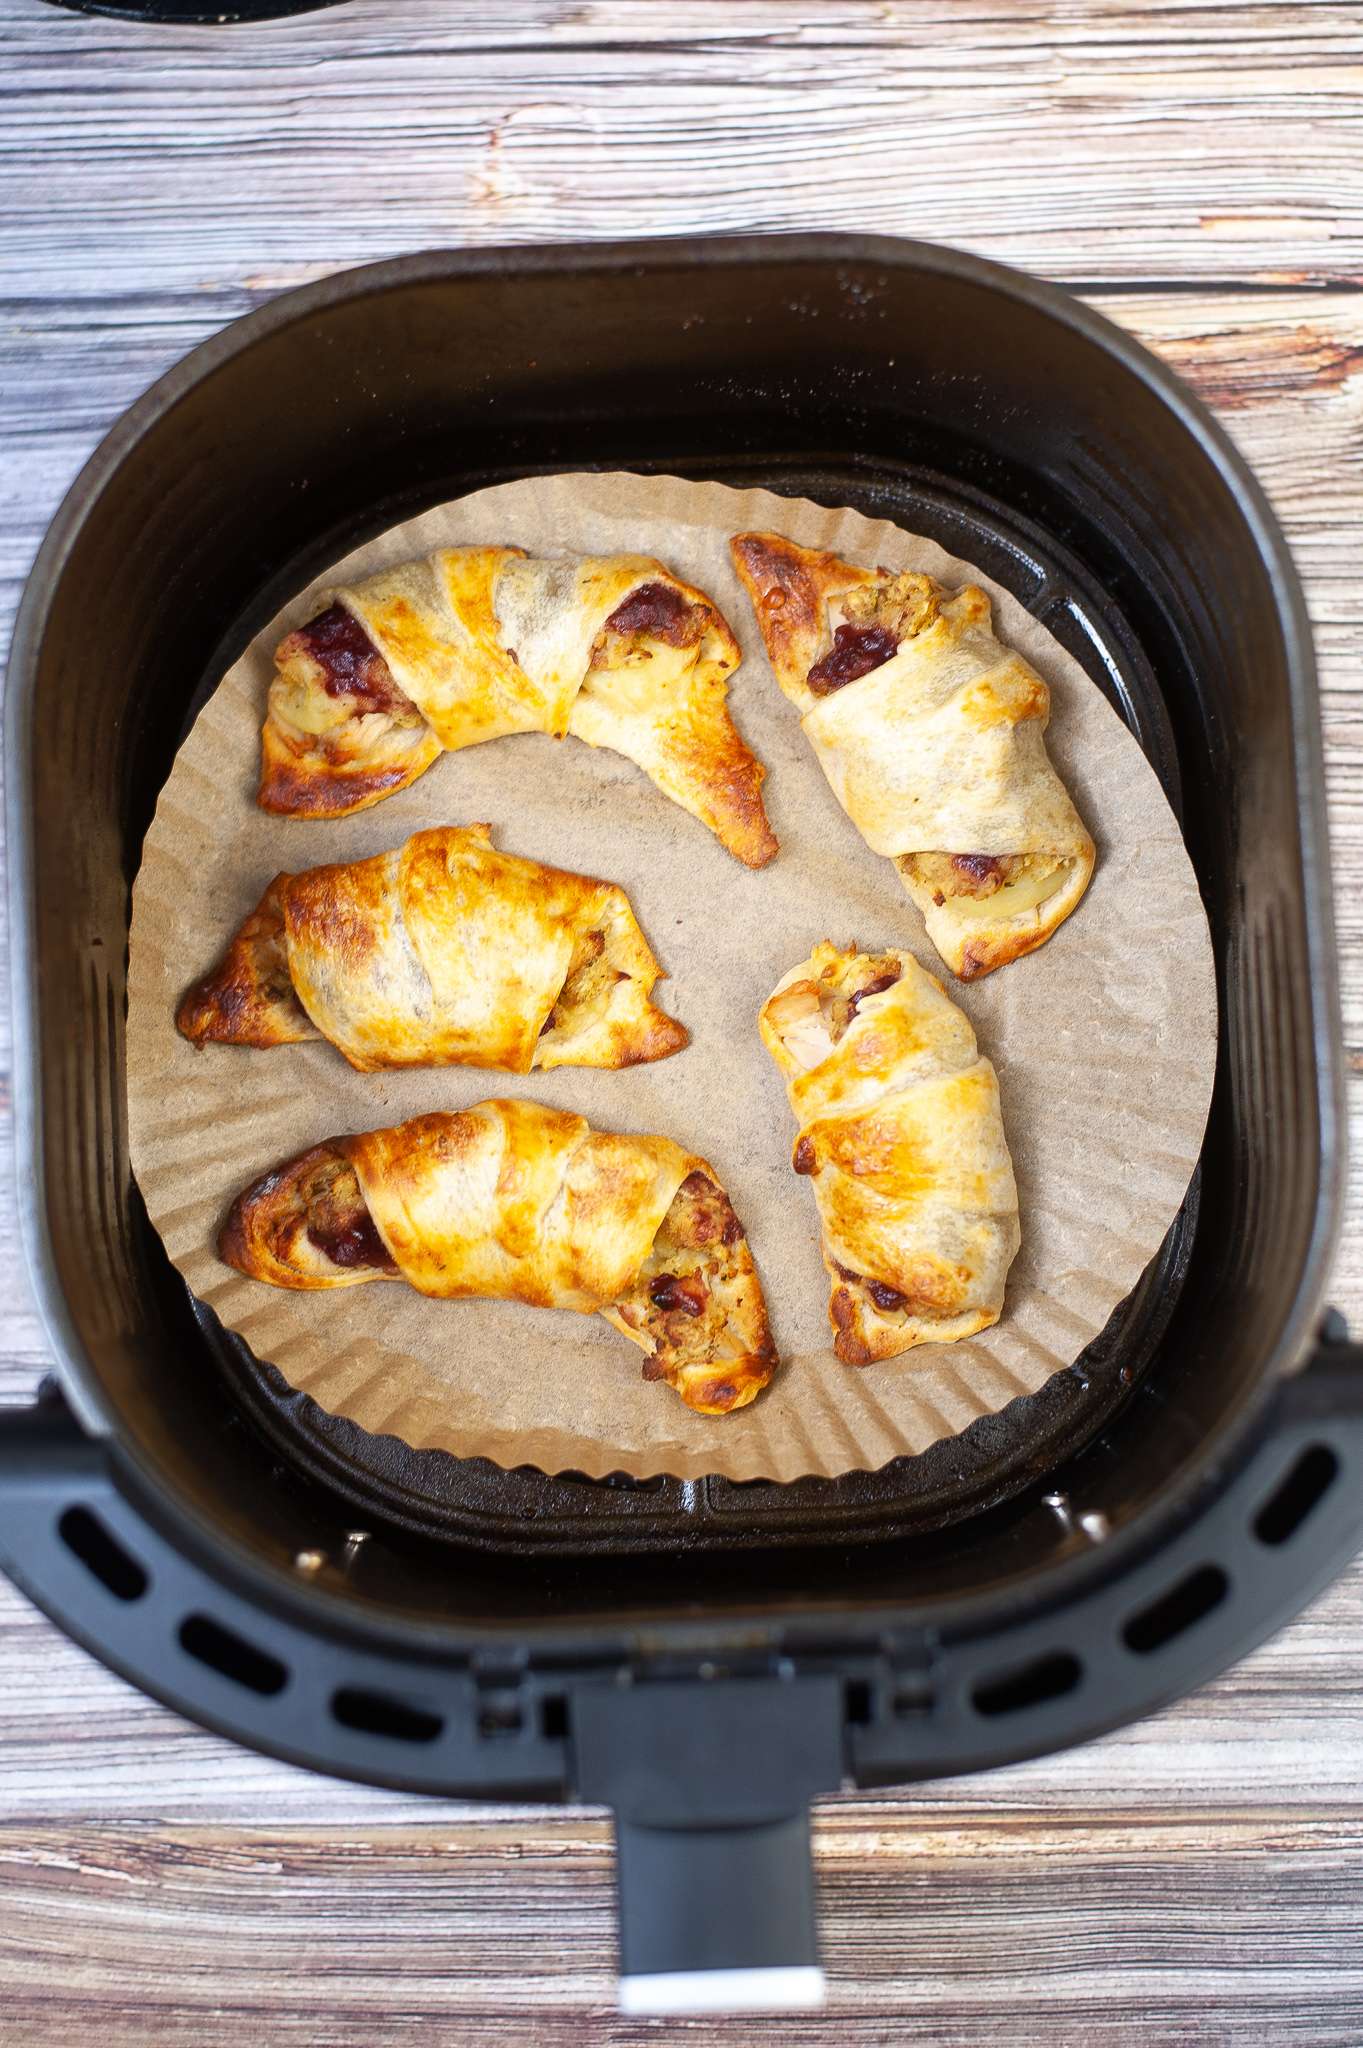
(1297, 1325)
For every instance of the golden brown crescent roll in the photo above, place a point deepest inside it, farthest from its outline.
(932, 736)
(444, 952)
(475, 642)
(524, 1203)
(901, 1131)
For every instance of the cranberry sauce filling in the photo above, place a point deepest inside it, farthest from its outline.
(670, 1290)
(856, 650)
(351, 664)
(351, 1241)
(661, 612)
(884, 1297)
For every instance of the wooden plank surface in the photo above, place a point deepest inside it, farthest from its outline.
(1197, 171)
(357, 1936)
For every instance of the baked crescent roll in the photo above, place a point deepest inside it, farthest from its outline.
(901, 1133)
(444, 952)
(524, 1203)
(475, 642)
(932, 736)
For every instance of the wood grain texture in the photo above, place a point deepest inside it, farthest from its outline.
(352, 1937)
(1195, 170)
(1097, 141)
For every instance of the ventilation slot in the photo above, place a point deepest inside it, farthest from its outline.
(117, 1570)
(1178, 1610)
(378, 1713)
(553, 1716)
(1283, 1514)
(1031, 1685)
(232, 1656)
(857, 1701)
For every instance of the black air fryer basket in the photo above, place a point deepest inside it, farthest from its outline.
(702, 1657)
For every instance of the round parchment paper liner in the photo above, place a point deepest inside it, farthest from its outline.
(1104, 1040)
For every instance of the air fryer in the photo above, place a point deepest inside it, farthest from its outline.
(703, 1657)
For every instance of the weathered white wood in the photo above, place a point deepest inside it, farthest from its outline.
(1084, 141)
(1198, 170)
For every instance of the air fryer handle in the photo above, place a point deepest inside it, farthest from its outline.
(711, 1785)
(717, 1919)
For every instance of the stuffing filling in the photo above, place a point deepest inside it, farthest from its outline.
(927, 1298)
(691, 1283)
(876, 619)
(987, 884)
(905, 605)
(590, 982)
(271, 959)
